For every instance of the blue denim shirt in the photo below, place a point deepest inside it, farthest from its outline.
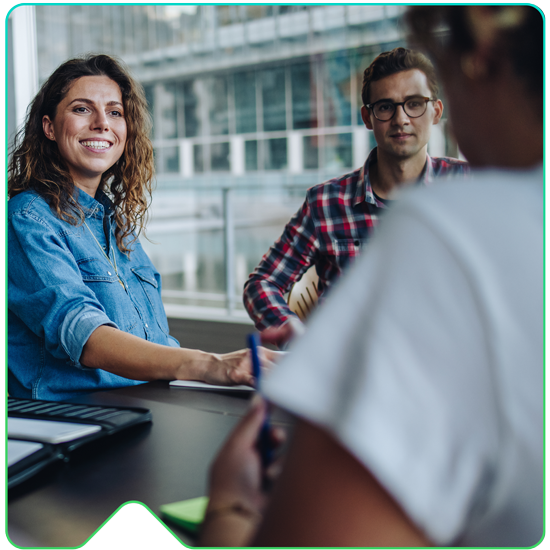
(61, 287)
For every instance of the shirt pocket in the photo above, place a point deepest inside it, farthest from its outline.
(341, 251)
(94, 270)
(147, 277)
(102, 280)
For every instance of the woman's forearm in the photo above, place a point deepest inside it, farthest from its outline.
(127, 355)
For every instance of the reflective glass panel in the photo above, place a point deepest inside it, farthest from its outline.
(167, 160)
(336, 91)
(337, 152)
(273, 95)
(191, 94)
(311, 152)
(198, 158)
(304, 96)
(219, 157)
(245, 102)
(275, 154)
(251, 155)
(215, 94)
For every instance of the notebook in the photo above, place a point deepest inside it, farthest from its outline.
(193, 384)
(27, 458)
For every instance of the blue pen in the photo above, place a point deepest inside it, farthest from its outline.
(264, 439)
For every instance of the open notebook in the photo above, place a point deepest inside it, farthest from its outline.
(193, 384)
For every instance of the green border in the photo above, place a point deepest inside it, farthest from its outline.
(7, 10)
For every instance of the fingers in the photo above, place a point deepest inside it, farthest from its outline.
(248, 428)
(282, 335)
(277, 335)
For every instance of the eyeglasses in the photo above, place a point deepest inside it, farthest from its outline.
(414, 107)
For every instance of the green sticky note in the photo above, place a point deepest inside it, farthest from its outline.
(188, 514)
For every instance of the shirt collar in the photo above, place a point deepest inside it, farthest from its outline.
(94, 207)
(364, 191)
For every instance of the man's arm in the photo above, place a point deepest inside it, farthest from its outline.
(283, 264)
(325, 497)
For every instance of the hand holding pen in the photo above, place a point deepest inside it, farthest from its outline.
(265, 446)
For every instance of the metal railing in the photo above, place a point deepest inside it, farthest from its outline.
(230, 309)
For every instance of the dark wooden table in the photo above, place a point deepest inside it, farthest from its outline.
(156, 464)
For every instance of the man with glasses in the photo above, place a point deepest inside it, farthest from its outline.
(400, 106)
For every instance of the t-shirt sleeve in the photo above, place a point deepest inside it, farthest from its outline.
(393, 367)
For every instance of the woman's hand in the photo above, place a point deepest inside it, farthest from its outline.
(237, 500)
(233, 368)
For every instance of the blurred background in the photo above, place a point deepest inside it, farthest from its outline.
(252, 104)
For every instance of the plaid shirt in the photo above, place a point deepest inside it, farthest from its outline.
(328, 231)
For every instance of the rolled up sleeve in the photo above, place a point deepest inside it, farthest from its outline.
(46, 290)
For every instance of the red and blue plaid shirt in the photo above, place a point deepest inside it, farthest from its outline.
(328, 231)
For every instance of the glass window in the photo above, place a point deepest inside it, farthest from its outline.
(215, 93)
(311, 152)
(275, 154)
(304, 96)
(251, 155)
(336, 91)
(273, 99)
(149, 97)
(219, 157)
(166, 111)
(245, 102)
(191, 94)
(198, 158)
(337, 152)
(167, 160)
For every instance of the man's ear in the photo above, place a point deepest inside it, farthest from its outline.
(365, 115)
(438, 110)
(47, 126)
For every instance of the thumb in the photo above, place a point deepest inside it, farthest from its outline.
(248, 428)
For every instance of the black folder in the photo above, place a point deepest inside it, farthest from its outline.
(111, 420)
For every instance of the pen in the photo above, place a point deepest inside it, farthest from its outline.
(264, 439)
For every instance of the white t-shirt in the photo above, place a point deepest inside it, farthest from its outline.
(426, 362)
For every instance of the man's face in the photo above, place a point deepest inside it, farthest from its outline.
(402, 137)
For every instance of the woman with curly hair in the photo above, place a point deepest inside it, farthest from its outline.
(85, 310)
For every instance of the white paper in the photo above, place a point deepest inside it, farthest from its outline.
(48, 431)
(18, 450)
(193, 384)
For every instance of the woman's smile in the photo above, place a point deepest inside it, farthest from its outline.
(90, 129)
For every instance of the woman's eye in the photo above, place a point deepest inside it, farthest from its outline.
(80, 109)
(116, 113)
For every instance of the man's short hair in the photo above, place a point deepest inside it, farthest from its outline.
(395, 61)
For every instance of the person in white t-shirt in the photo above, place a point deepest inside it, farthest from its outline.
(418, 388)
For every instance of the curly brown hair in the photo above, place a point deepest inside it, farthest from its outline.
(37, 164)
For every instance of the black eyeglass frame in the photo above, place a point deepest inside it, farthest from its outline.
(402, 103)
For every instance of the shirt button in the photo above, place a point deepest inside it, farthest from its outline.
(109, 272)
(146, 325)
(356, 243)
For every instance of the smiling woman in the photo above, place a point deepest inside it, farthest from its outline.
(84, 301)
(89, 129)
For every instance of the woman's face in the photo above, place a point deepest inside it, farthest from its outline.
(89, 128)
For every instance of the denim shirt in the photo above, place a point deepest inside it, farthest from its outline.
(61, 287)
